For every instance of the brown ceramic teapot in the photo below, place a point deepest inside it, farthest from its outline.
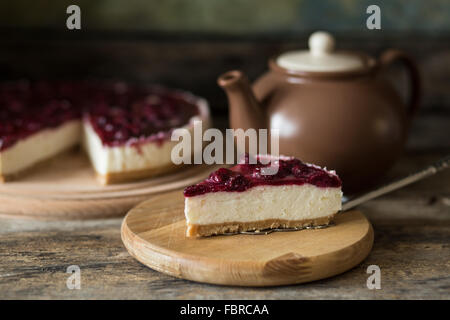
(331, 108)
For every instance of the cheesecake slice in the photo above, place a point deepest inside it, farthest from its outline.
(127, 130)
(242, 198)
(37, 121)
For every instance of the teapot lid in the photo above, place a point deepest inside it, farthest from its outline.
(320, 57)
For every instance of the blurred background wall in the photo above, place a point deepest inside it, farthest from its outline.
(188, 43)
(231, 17)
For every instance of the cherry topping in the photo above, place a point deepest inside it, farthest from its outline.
(119, 113)
(122, 114)
(244, 176)
(238, 183)
(26, 108)
(220, 176)
(259, 174)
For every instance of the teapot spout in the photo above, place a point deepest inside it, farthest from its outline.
(245, 111)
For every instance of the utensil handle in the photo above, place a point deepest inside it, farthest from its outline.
(429, 171)
(391, 56)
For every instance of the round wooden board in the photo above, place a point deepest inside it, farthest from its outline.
(65, 187)
(154, 233)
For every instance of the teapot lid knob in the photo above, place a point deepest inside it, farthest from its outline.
(320, 43)
(321, 57)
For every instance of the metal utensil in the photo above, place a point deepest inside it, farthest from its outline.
(397, 184)
(347, 204)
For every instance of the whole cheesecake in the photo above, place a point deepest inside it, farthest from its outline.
(243, 199)
(125, 129)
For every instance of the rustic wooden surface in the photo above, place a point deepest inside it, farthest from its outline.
(154, 232)
(65, 187)
(412, 233)
(412, 225)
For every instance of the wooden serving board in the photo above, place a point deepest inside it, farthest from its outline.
(65, 187)
(154, 233)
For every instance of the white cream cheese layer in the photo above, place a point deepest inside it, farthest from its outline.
(39, 146)
(288, 202)
(125, 158)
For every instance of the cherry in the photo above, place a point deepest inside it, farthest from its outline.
(325, 180)
(258, 174)
(220, 176)
(238, 183)
(195, 190)
(303, 170)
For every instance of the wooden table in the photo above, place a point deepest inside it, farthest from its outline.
(412, 225)
(412, 233)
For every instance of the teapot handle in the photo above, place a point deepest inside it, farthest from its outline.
(391, 56)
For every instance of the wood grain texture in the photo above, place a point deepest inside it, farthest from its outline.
(154, 233)
(412, 228)
(411, 225)
(65, 187)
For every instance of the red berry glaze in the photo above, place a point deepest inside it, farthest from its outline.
(26, 108)
(122, 114)
(245, 175)
(119, 113)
